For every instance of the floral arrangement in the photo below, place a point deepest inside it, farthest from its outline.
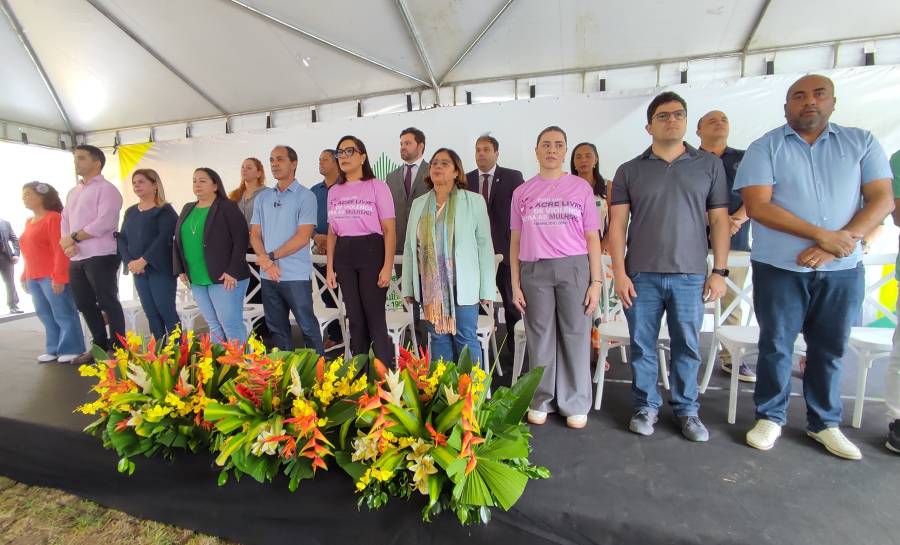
(431, 430)
(151, 397)
(421, 429)
(279, 410)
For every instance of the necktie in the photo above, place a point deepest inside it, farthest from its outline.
(407, 180)
(485, 189)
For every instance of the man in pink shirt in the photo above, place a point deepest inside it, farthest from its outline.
(89, 223)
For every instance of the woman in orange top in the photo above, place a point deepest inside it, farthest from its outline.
(46, 274)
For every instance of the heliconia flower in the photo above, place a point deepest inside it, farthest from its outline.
(368, 403)
(469, 440)
(439, 438)
(183, 388)
(380, 369)
(320, 370)
(473, 461)
(464, 382)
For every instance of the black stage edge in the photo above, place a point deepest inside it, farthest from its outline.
(608, 485)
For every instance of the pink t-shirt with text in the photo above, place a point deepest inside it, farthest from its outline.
(552, 216)
(357, 208)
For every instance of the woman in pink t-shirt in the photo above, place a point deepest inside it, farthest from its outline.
(555, 265)
(361, 243)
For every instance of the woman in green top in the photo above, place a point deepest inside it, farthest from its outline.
(211, 240)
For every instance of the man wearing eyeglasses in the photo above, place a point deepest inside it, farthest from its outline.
(669, 192)
(407, 182)
(284, 218)
(813, 190)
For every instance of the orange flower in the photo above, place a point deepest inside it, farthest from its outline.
(320, 370)
(464, 382)
(439, 438)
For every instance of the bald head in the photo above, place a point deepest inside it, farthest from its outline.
(809, 104)
(713, 130)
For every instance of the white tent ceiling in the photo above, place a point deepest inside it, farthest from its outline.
(120, 63)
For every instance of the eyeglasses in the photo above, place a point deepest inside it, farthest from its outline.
(346, 152)
(664, 116)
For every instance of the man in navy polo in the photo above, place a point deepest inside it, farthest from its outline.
(280, 232)
(813, 190)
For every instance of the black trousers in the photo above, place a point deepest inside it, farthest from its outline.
(6, 270)
(504, 284)
(95, 286)
(357, 262)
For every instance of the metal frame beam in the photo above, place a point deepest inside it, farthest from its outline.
(26, 43)
(756, 24)
(477, 39)
(187, 81)
(327, 43)
(423, 56)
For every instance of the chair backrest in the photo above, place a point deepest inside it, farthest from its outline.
(611, 306)
(251, 258)
(743, 294)
(873, 291)
(320, 286)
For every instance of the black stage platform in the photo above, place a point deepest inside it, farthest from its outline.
(608, 485)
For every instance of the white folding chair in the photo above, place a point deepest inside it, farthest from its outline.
(720, 315)
(399, 319)
(325, 314)
(487, 327)
(614, 331)
(872, 343)
(252, 312)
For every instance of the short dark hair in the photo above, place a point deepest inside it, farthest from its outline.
(460, 180)
(598, 184)
(488, 138)
(367, 172)
(217, 180)
(49, 196)
(95, 153)
(417, 134)
(661, 99)
(551, 128)
(292, 155)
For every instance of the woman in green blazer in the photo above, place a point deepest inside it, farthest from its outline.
(448, 258)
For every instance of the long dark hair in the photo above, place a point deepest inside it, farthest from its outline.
(49, 196)
(216, 179)
(367, 172)
(460, 180)
(598, 184)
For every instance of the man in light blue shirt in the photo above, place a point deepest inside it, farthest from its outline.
(813, 190)
(283, 221)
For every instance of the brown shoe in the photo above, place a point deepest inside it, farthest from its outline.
(84, 359)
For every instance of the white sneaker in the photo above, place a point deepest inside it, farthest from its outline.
(46, 358)
(576, 421)
(67, 358)
(763, 434)
(837, 443)
(536, 417)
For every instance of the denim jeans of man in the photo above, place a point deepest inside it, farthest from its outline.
(449, 346)
(223, 310)
(823, 305)
(291, 296)
(59, 316)
(680, 297)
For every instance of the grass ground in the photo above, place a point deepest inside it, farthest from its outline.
(31, 515)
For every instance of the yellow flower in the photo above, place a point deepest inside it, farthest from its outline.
(421, 470)
(206, 369)
(405, 442)
(90, 371)
(388, 436)
(322, 422)
(276, 401)
(91, 408)
(157, 413)
(420, 449)
(174, 401)
(365, 448)
(301, 407)
(256, 346)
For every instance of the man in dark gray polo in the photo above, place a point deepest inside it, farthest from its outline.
(670, 192)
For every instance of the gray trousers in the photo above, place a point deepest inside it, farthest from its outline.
(558, 332)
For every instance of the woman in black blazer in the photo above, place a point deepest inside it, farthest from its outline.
(211, 240)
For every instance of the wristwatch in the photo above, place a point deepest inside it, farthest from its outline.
(74, 236)
(272, 256)
(721, 272)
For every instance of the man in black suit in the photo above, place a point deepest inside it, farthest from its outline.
(9, 256)
(407, 182)
(496, 185)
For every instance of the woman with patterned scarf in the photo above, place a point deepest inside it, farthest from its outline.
(448, 258)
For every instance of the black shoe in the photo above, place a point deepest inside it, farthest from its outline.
(893, 438)
(84, 359)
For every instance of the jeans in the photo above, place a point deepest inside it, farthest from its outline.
(95, 287)
(680, 297)
(223, 310)
(823, 305)
(295, 296)
(156, 291)
(448, 346)
(59, 316)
